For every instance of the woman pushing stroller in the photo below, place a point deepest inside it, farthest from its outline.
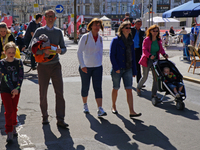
(152, 48)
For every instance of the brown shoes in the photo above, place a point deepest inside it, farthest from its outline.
(45, 121)
(62, 124)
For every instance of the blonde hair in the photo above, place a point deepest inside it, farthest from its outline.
(4, 25)
(123, 25)
(148, 33)
(9, 45)
(95, 20)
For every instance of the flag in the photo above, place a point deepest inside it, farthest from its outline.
(133, 2)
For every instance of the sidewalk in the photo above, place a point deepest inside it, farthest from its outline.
(158, 128)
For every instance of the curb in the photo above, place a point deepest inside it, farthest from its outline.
(191, 79)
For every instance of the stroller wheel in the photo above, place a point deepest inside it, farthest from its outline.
(154, 101)
(180, 105)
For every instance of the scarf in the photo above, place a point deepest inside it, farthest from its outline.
(128, 43)
(4, 41)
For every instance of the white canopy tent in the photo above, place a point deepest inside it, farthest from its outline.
(106, 21)
(104, 18)
(165, 22)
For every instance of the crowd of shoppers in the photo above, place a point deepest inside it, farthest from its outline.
(128, 52)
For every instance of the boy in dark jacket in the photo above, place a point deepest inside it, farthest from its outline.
(20, 41)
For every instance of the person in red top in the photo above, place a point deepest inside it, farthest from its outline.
(90, 54)
(170, 80)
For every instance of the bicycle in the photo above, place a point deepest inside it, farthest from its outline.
(26, 60)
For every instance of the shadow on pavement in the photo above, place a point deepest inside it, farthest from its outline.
(110, 134)
(149, 135)
(14, 145)
(170, 107)
(32, 77)
(63, 142)
(187, 113)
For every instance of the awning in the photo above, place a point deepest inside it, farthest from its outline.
(188, 9)
(160, 20)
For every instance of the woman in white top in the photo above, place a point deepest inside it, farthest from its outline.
(90, 52)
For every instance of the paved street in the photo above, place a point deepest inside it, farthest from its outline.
(161, 127)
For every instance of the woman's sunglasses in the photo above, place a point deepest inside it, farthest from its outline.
(155, 31)
(127, 27)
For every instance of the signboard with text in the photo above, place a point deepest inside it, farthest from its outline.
(162, 8)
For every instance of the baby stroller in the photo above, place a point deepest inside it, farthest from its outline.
(162, 86)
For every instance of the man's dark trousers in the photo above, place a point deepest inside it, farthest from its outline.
(138, 54)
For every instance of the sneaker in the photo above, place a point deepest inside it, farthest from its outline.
(101, 112)
(85, 108)
(181, 93)
(177, 95)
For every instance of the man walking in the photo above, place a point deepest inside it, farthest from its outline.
(33, 25)
(64, 28)
(138, 36)
(51, 69)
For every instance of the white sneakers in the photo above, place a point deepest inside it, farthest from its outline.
(100, 111)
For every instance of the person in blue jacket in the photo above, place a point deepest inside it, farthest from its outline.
(122, 57)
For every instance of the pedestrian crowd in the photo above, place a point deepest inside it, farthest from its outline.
(130, 50)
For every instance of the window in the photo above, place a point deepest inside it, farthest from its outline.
(161, 2)
(183, 23)
(104, 8)
(79, 11)
(124, 8)
(161, 24)
(87, 9)
(113, 10)
(96, 8)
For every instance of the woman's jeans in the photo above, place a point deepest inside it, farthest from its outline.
(126, 75)
(96, 74)
(145, 76)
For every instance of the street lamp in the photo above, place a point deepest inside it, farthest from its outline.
(149, 6)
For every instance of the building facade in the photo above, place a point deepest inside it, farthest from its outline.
(114, 9)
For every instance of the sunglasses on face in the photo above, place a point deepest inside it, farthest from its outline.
(155, 30)
(127, 27)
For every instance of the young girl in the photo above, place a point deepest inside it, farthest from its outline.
(12, 73)
(6, 37)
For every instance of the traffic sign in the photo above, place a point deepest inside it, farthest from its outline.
(36, 7)
(59, 8)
